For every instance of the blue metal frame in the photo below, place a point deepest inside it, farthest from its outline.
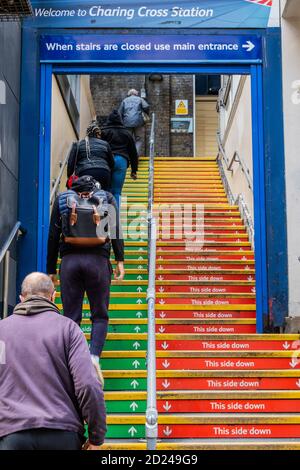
(258, 153)
(44, 165)
(273, 292)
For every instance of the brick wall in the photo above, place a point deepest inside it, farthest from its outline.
(109, 90)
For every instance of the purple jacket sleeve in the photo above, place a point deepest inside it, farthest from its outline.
(88, 390)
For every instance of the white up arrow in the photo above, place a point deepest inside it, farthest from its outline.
(134, 406)
(136, 364)
(132, 431)
(134, 384)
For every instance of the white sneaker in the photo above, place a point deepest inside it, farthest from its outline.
(95, 361)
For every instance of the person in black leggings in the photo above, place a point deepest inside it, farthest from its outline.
(92, 156)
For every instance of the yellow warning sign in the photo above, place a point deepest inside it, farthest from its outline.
(181, 107)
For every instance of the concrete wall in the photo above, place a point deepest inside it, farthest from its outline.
(62, 136)
(236, 133)
(109, 90)
(291, 83)
(10, 51)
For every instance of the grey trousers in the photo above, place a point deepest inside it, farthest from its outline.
(138, 134)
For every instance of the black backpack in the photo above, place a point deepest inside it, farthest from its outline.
(84, 218)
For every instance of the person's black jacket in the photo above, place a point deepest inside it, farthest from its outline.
(57, 245)
(120, 140)
(100, 156)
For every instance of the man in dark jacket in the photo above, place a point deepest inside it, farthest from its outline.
(86, 269)
(48, 385)
(132, 109)
(124, 150)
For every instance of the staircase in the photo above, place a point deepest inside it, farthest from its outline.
(220, 385)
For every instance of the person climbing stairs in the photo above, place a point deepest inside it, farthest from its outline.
(219, 384)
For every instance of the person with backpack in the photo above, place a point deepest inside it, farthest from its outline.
(134, 111)
(91, 156)
(84, 224)
(48, 386)
(124, 150)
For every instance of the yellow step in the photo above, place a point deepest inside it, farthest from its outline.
(208, 418)
(213, 445)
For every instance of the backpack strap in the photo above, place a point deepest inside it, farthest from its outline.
(62, 201)
(73, 216)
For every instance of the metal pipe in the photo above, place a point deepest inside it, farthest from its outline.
(245, 214)
(151, 412)
(6, 284)
(17, 228)
(59, 177)
(5, 255)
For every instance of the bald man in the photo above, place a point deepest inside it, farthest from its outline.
(48, 385)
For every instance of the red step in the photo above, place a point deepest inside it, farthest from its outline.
(208, 314)
(206, 329)
(191, 344)
(229, 406)
(222, 431)
(226, 363)
(229, 383)
(207, 289)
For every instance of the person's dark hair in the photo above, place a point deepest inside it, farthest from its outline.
(93, 130)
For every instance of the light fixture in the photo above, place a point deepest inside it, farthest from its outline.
(156, 77)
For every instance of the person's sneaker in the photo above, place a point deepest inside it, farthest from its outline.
(95, 361)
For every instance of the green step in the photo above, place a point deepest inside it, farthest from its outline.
(121, 363)
(115, 288)
(125, 384)
(125, 346)
(124, 288)
(134, 406)
(125, 431)
(127, 300)
(120, 314)
(134, 329)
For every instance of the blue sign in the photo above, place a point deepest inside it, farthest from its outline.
(165, 48)
(151, 14)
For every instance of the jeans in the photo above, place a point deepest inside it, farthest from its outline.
(42, 439)
(118, 177)
(90, 273)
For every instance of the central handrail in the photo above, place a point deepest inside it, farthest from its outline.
(151, 412)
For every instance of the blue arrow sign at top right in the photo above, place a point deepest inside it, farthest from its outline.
(149, 48)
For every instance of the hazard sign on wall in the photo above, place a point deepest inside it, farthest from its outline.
(181, 107)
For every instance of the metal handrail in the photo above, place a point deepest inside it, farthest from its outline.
(239, 200)
(5, 255)
(235, 159)
(151, 411)
(59, 177)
